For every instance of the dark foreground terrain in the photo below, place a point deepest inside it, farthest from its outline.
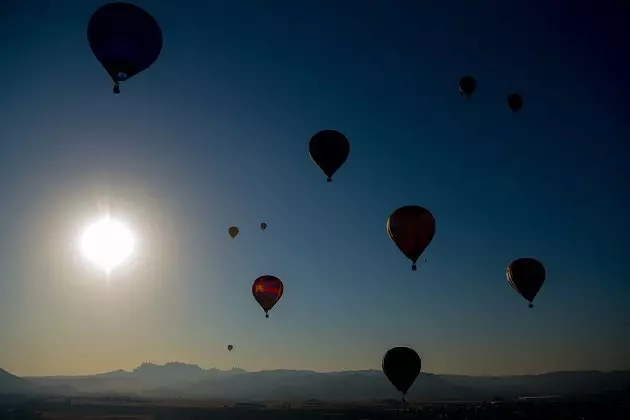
(116, 409)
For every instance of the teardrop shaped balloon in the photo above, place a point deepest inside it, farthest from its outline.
(402, 366)
(329, 149)
(263, 226)
(267, 291)
(514, 102)
(230, 347)
(412, 229)
(467, 86)
(233, 231)
(125, 39)
(526, 276)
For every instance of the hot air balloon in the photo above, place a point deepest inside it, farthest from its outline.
(233, 231)
(263, 226)
(329, 149)
(230, 347)
(514, 102)
(125, 39)
(467, 86)
(402, 366)
(526, 276)
(412, 229)
(267, 291)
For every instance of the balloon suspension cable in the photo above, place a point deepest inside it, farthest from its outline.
(116, 87)
(404, 403)
(531, 305)
(414, 267)
(266, 315)
(329, 179)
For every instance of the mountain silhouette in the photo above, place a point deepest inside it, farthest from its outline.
(11, 384)
(177, 379)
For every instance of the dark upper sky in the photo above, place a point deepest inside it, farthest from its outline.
(216, 133)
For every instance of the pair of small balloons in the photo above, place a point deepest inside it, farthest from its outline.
(234, 230)
(468, 85)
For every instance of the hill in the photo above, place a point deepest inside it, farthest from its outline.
(186, 380)
(11, 384)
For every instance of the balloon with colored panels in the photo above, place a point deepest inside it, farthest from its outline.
(267, 291)
(125, 39)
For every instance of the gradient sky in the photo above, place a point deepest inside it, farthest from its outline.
(216, 133)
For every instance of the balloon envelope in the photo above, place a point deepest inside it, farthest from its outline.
(329, 149)
(230, 347)
(526, 276)
(467, 85)
(233, 231)
(263, 226)
(514, 102)
(412, 229)
(402, 366)
(124, 38)
(267, 291)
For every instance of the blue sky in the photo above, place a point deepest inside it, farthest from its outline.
(216, 133)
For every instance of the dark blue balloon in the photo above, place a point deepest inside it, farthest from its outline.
(125, 39)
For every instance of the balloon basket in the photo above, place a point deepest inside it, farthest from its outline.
(329, 179)
(531, 305)
(414, 268)
(266, 315)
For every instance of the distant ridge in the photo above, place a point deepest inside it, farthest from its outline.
(11, 384)
(176, 379)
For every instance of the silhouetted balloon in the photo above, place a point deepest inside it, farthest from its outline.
(467, 85)
(267, 291)
(329, 149)
(125, 39)
(526, 276)
(230, 347)
(402, 366)
(515, 102)
(263, 226)
(233, 231)
(412, 229)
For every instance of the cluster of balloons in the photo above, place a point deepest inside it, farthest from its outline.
(468, 86)
(127, 40)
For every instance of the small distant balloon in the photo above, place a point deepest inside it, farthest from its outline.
(263, 226)
(412, 229)
(526, 276)
(402, 366)
(514, 102)
(230, 347)
(329, 149)
(267, 291)
(125, 39)
(233, 231)
(467, 86)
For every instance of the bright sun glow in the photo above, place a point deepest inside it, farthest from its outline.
(107, 243)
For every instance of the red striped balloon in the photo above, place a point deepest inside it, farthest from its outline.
(267, 291)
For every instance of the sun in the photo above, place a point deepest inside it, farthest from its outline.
(107, 243)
